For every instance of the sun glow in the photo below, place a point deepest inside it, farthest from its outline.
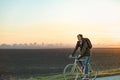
(60, 21)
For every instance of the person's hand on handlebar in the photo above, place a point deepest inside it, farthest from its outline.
(79, 55)
(70, 56)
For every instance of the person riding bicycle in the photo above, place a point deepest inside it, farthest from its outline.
(85, 46)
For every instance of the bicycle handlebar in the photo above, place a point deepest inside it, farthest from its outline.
(76, 57)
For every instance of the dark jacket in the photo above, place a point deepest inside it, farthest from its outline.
(84, 49)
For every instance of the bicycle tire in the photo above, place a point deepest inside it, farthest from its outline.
(72, 72)
(93, 73)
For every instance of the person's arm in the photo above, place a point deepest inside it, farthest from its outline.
(84, 48)
(76, 47)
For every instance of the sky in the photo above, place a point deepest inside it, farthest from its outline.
(59, 21)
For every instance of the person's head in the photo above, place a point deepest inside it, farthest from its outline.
(79, 36)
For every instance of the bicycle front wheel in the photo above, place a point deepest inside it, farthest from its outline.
(71, 72)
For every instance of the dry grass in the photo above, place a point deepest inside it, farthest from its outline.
(109, 72)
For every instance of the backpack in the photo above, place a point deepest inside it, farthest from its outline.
(88, 43)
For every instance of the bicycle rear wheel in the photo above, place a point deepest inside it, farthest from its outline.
(93, 73)
(72, 72)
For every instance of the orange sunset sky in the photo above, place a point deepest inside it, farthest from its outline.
(59, 21)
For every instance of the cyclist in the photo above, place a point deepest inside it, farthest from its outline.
(85, 46)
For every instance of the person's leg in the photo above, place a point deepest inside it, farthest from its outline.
(87, 58)
(81, 63)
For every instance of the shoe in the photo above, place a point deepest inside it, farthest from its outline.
(86, 77)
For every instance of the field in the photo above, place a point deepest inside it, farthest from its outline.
(23, 63)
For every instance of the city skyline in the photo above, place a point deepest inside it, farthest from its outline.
(50, 45)
(34, 46)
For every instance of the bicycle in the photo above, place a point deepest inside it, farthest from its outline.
(75, 72)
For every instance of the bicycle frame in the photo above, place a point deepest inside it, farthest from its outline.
(76, 64)
(76, 68)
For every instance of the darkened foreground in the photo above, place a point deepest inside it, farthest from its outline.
(42, 62)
